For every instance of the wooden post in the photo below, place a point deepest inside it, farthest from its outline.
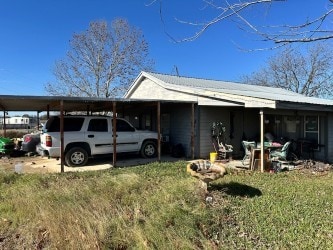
(192, 132)
(88, 109)
(37, 120)
(62, 157)
(159, 131)
(48, 111)
(114, 133)
(4, 123)
(262, 146)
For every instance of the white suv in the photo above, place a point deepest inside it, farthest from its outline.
(87, 136)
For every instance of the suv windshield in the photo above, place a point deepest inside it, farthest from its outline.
(70, 124)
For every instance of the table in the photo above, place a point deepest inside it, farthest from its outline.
(273, 147)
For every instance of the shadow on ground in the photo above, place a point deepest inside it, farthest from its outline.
(236, 189)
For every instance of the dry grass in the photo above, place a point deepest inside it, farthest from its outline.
(159, 206)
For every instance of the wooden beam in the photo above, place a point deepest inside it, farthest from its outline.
(114, 133)
(159, 131)
(4, 123)
(62, 157)
(192, 131)
(48, 111)
(262, 146)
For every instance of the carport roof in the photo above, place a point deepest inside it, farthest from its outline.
(53, 103)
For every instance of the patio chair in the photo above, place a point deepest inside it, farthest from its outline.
(283, 154)
(247, 145)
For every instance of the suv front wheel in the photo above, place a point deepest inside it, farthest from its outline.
(76, 157)
(149, 149)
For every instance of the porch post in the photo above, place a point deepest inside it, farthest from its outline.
(4, 123)
(192, 131)
(159, 131)
(37, 120)
(47, 111)
(114, 133)
(262, 151)
(62, 157)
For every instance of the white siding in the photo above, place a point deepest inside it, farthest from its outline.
(151, 90)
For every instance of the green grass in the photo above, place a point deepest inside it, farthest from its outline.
(160, 206)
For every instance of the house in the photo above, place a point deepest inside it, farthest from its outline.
(248, 112)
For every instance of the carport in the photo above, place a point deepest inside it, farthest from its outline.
(89, 105)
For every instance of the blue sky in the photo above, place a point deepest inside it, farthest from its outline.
(36, 33)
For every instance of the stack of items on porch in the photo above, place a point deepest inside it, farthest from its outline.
(277, 156)
(223, 150)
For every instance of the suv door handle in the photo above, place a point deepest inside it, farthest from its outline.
(91, 136)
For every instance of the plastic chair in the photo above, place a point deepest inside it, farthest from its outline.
(247, 145)
(284, 154)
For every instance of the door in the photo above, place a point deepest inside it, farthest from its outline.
(127, 137)
(99, 136)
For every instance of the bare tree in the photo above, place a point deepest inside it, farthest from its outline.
(102, 61)
(309, 30)
(310, 74)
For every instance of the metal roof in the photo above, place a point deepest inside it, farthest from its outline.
(240, 89)
(52, 103)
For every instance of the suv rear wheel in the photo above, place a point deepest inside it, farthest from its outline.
(148, 149)
(76, 157)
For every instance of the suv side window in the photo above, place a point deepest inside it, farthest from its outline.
(123, 126)
(98, 125)
(70, 124)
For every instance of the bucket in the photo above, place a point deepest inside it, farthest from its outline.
(213, 156)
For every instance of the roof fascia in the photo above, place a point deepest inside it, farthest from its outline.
(304, 106)
(247, 102)
(134, 85)
(143, 75)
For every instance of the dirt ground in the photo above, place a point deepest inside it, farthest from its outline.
(39, 164)
(21, 163)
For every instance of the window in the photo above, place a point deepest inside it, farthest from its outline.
(311, 130)
(123, 126)
(70, 124)
(98, 125)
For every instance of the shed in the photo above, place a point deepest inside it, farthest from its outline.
(247, 111)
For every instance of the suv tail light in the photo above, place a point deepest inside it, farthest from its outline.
(27, 138)
(48, 141)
